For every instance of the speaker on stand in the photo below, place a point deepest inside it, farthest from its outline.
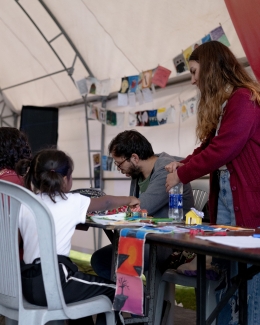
(40, 124)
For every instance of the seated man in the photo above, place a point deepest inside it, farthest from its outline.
(134, 157)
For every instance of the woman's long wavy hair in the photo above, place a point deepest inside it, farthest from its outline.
(14, 146)
(46, 171)
(220, 73)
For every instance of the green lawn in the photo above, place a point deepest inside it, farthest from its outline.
(186, 296)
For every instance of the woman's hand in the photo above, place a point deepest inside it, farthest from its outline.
(171, 180)
(173, 166)
(134, 202)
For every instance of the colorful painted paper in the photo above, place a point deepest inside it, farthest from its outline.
(124, 85)
(206, 39)
(129, 296)
(166, 115)
(147, 79)
(219, 35)
(133, 83)
(161, 76)
(186, 53)
(91, 85)
(111, 118)
(179, 63)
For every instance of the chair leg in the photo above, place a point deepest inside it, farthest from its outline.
(169, 295)
(165, 293)
(211, 298)
(167, 306)
(159, 303)
(110, 318)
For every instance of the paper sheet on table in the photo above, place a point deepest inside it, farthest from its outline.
(235, 241)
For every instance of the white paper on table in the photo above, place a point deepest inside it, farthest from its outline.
(235, 241)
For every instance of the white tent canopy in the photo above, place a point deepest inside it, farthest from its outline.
(108, 39)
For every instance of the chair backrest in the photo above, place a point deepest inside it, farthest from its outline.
(12, 196)
(200, 190)
(90, 192)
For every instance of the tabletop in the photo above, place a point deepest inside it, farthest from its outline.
(186, 241)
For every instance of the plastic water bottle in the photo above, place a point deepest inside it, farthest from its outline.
(176, 203)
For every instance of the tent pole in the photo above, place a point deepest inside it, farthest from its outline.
(88, 142)
(67, 38)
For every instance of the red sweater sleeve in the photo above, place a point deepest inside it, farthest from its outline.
(237, 127)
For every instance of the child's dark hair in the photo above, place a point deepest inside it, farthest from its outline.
(46, 171)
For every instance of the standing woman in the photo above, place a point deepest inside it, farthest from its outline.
(228, 127)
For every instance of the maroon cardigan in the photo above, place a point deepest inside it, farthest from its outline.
(238, 147)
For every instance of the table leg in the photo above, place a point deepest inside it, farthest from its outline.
(152, 283)
(201, 290)
(242, 294)
(115, 241)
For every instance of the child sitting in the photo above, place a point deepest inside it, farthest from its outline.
(49, 176)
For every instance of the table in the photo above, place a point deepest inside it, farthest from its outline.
(185, 241)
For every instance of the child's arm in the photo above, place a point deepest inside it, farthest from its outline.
(108, 202)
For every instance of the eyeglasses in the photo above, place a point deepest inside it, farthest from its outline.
(118, 165)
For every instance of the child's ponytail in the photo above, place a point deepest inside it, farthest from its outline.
(47, 171)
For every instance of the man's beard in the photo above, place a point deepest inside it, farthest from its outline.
(134, 171)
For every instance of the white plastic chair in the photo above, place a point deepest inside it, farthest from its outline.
(167, 288)
(12, 304)
(200, 190)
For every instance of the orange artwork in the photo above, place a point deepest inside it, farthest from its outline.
(130, 256)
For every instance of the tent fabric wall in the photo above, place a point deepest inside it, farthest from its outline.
(245, 17)
(114, 38)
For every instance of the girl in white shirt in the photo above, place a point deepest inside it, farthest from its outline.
(49, 176)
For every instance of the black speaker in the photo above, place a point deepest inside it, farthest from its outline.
(40, 124)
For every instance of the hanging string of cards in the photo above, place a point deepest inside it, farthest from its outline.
(140, 88)
(155, 117)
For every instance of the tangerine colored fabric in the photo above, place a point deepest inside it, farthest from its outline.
(245, 18)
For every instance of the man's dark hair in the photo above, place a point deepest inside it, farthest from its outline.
(128, 142)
